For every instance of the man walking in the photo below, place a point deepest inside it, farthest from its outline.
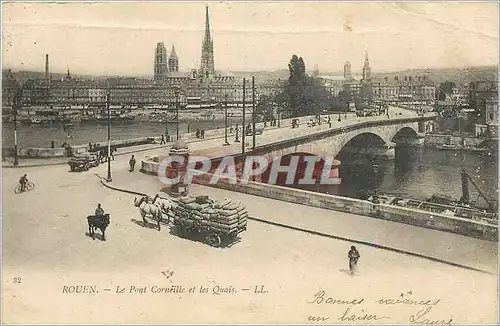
(353, 256)
(131, 163)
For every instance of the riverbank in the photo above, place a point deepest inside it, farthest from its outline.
(43, 155)
(462, 142)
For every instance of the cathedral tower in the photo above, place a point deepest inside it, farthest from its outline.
(160, 68)
(347, 71)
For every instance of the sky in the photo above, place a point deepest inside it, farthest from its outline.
(120, 38)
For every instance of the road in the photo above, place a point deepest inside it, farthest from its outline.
(44, 243)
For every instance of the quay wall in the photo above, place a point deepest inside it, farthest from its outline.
(463, 226)
(434, 140)
(80, 149)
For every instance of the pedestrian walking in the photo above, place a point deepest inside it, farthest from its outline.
(202, 133)
(131, 163)
(162, 139)
(353, 256)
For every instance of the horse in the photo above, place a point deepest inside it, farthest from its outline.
(148, 209)
(164, 204)
(98, 222)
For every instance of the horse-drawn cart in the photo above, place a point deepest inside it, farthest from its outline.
(219, 223)
(83, 162)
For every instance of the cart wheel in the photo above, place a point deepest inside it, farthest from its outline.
(86, 167)
(214, 240)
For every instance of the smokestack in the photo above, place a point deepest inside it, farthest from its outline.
(47, 78)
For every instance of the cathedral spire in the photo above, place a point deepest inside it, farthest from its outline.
(208, 38)
(207, 68)
(173, 61)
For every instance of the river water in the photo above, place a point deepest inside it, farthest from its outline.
(416, 172)
(83, 133)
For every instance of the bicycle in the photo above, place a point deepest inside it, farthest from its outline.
(29, 186)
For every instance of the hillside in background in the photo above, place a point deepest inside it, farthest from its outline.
(456, 75)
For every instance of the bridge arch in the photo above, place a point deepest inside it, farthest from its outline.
(365, 142)
(405, 132)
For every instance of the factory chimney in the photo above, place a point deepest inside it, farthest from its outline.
(47, 77)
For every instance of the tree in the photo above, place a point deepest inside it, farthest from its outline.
(296, 84)
(444, 89)
(306, 95)
(265, 107)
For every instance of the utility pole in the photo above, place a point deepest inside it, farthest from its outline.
(109, 138)
(225, 120)
(253, 113)
(166, 123)
(243, 128)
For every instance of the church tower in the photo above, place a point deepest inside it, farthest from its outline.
(366, 69)
(207, 69)
(173, 61)
(160, 66)
(347, 71)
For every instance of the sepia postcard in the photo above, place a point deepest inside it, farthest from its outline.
(238, 162)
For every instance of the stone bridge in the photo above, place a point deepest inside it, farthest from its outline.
(378, 137)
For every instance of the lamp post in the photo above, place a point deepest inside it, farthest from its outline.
(253, 113)
(68, 128)
(278, 111)
(243, 126)
(177, 94)
(225, 120)
(109, 138)
(166, 123)
(15, 107)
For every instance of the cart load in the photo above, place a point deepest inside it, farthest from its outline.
(221, 220)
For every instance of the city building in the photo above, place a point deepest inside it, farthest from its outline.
(483, 99)
(407, 89)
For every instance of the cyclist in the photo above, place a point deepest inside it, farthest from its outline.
(23, 182)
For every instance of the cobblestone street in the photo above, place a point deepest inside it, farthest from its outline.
(45, 244)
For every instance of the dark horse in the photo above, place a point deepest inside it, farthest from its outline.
(98, 222)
